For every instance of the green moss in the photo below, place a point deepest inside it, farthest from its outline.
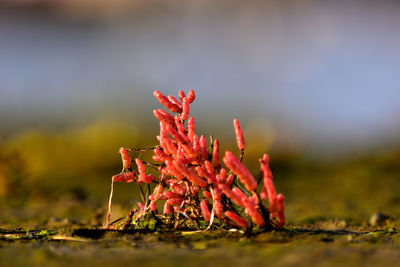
(148, 222)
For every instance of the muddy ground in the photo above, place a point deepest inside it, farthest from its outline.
(330, 243)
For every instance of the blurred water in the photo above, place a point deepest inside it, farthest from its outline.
(321, 70)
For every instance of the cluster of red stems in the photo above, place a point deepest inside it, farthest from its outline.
(192, 181)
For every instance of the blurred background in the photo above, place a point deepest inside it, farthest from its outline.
(316, 84)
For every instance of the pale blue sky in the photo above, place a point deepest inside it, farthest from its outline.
(328, 70)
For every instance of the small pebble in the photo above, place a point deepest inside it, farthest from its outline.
(378, 219)
(349, 238)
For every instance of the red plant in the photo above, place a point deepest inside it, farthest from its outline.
(192, 183)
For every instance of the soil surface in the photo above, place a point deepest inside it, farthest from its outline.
(323, 244)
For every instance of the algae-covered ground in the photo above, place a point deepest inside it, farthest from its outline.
(294, 245)
(54, 189)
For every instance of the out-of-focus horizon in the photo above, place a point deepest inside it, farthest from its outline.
(319, 73)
